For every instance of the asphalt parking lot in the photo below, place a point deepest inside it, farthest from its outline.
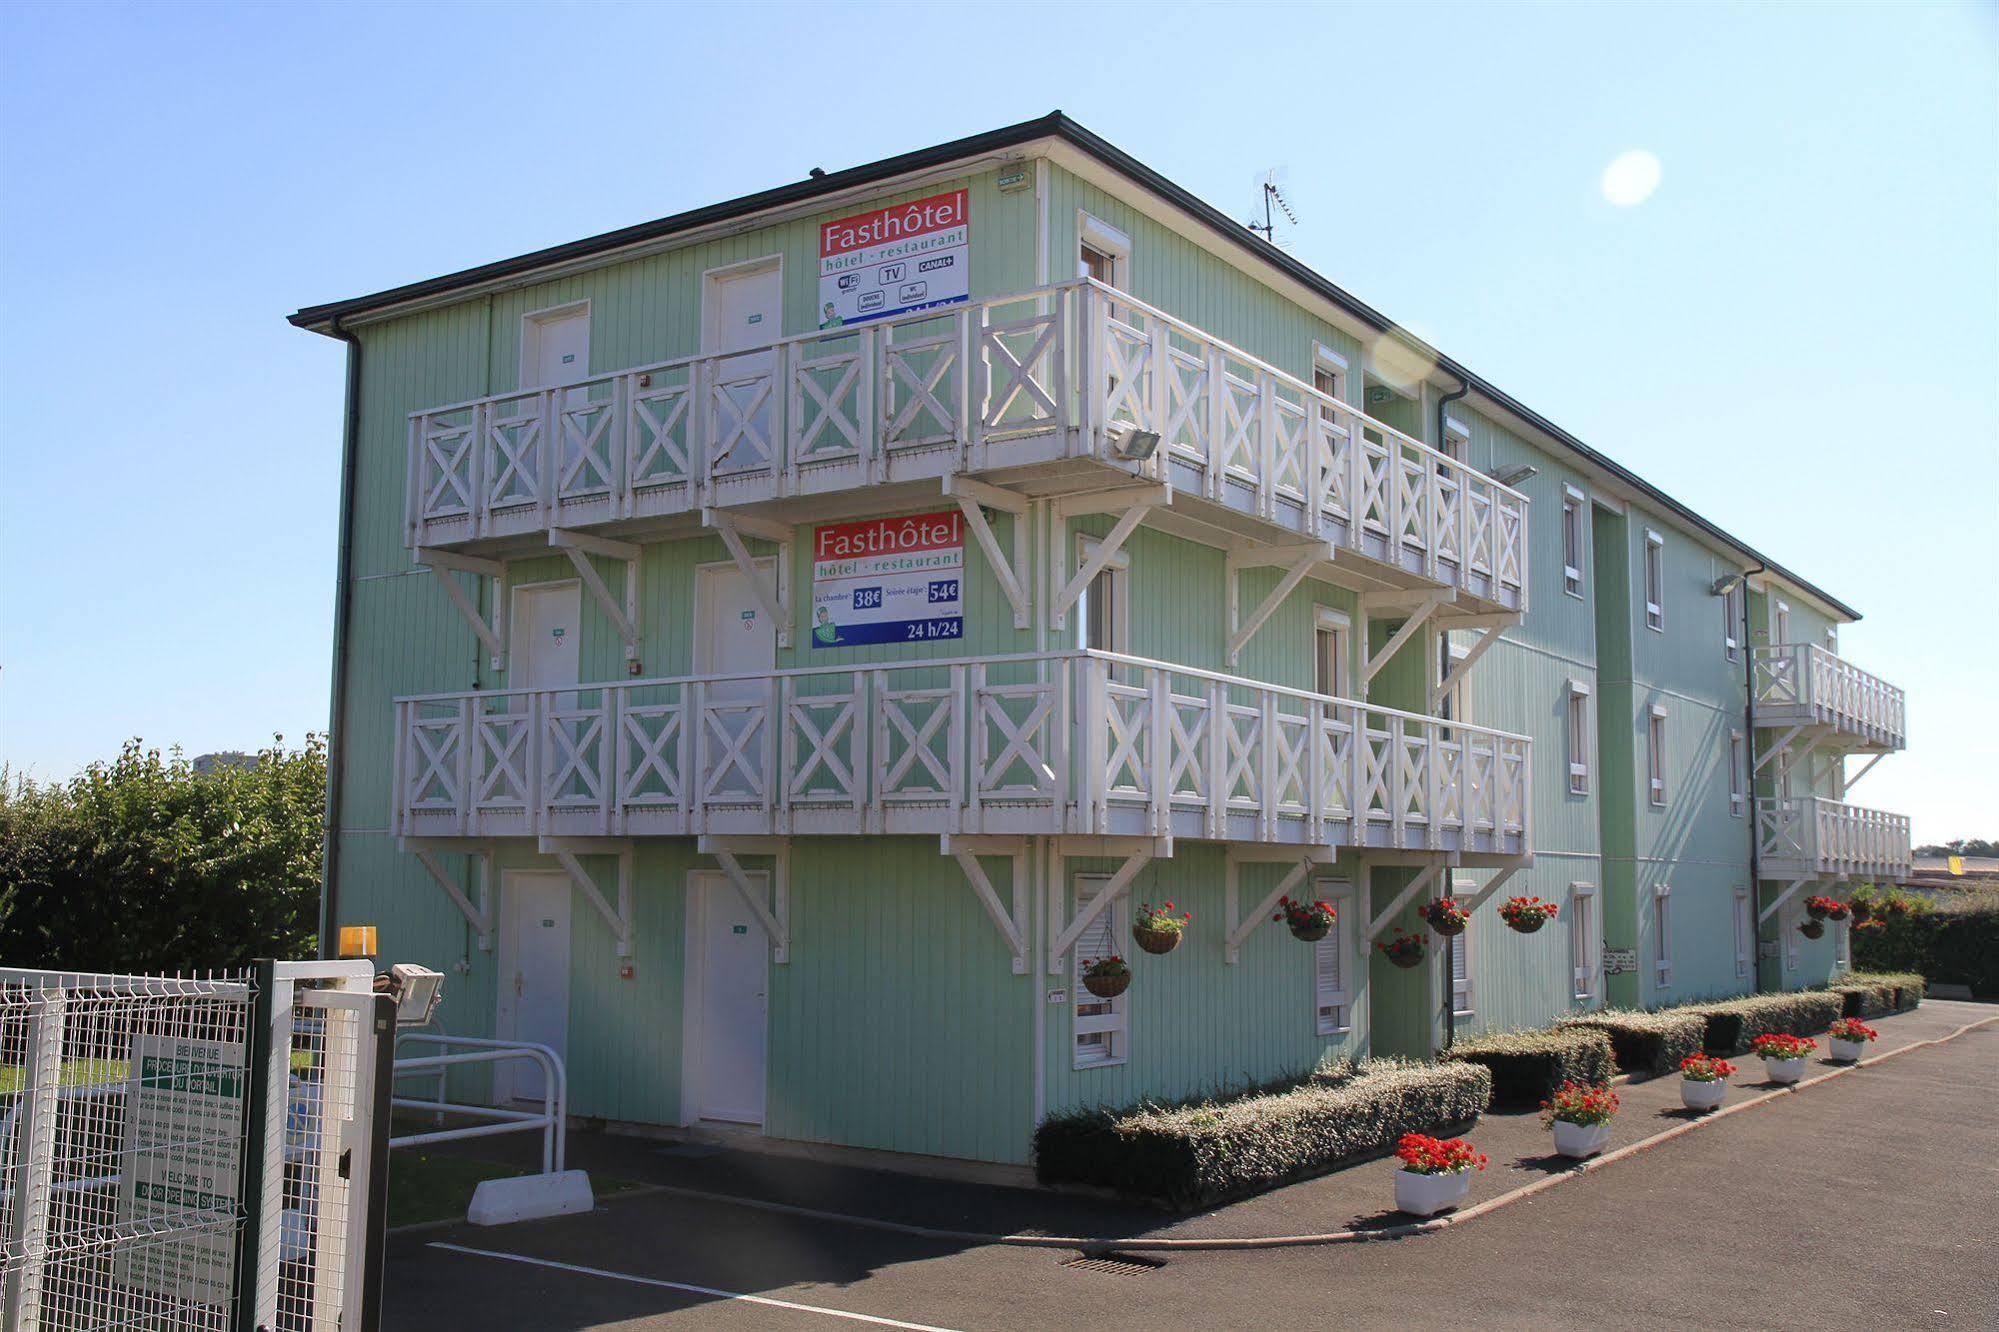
(1862, 1202)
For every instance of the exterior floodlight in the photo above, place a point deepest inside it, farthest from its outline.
(416, 991)
(1135, 445)
(1514, 475)
(1725, 585)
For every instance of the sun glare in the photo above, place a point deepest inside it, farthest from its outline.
(1631, 178)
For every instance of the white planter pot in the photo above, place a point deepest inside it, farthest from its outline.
(1784, 1070)
(1426, 1195)
(1580, 1140)
(1847, 1051)
(1702, 1095)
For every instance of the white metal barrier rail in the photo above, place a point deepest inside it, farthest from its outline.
(483, 1050)
(1037, 743)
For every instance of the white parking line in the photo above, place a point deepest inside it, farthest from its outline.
(689, 1288)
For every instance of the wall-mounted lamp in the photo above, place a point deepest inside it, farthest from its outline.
(1514, 475)
(1725, 585)
(1135, 445)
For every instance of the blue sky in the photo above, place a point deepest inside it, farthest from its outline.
(1797, 333)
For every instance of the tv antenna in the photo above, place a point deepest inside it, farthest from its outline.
(1274, 203)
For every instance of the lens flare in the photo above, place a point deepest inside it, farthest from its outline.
(1631, 177)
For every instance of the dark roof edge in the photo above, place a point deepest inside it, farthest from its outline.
(1054, 124)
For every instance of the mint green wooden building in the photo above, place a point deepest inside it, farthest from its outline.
(779, 644)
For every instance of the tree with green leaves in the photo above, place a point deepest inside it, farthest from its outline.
(145, 864)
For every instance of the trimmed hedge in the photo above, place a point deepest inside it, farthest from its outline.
(1954, 943)
(1878, 993)
(1732, 1024)
(1652, 1043)
(1527, 1066)
(1195, 1155)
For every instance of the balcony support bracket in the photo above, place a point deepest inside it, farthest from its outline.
(1241, 928)
(1489, 888)
(773, 592)
(579, 547)
(1462, 666)
(1402, 899)
(479, 917)
(1063, 938)
(444, 564)
(1776, 747)
(1011, 923)
(1419, 615)
(1790, 891)
(1131, 504)
(1301, 561)
(567, 849)
(973, 499)
(775, 917)
(1854, 780)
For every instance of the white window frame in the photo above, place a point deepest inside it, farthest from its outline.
(1118, 570)
(1456, 443)
(1842, 945)
(1580, 740)
(1738, 772)
(1115, 1021)
(1791, 917)
(1662, 931)
(1780, 622)
(1338, 941)
(1655, 754)
(1575, 508)
(1745, 935)
(1331, 623)
(1451, 702)
(1464, 988)
(1108, 241)
(1655, 582)
(1731, 617)
(1326, 360)
(1585, 940)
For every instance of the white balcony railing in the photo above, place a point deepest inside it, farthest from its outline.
(1810, 837)
(1803, 684)
(1050, 374)
(1074, 742)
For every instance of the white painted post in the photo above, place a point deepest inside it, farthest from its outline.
(34, 1153)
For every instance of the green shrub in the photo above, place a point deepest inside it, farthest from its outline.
(1652, 1043)
(1733, 1023)
(1527, 1066)
(1957, 943)
(1194, 1155)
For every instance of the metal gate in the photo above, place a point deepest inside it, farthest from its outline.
(192, 1152)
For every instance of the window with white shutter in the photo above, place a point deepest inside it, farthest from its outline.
(1331, 964)
(1100, 1023)
(1579, 744)
(1461, 982)
(1655, 582)
(1583, 939)
(1572, 541)
(1738, 775)
(1655, 753)
(1789, 920)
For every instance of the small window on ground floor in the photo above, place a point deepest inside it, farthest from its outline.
(1583, 939)
(1100, 1023)
(1662, 933)
(1332, 999)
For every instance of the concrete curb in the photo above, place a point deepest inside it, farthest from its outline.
(1102, 1244)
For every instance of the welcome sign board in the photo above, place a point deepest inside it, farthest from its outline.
(888, 580)
(894, 260)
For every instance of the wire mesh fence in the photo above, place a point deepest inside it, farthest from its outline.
(175, 1155)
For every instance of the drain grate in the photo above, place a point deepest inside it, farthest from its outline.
(1115, 1264)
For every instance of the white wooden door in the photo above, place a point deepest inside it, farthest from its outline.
(547, 617)
(555, 349)
(742, 308)
(733, 636)
(733, 971)
(534, 972)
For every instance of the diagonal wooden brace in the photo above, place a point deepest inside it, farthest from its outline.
(1239, 932)
(620, 918)
(444, 564)
(1059, 947)
(777, 925)
(1402, 899)
(1011, 924)
(480, 918)
(624, 615)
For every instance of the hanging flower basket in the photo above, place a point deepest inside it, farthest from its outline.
(1446, 917)
(1811, 929)
(1107, 977)
(1307, 921)
(1862, 909)
(1157, 929)
(1839, 911)
(1821, 908)
(1524, 915)
(1404, 950)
